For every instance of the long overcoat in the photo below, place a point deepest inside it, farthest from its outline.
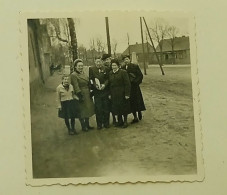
(81, 84)
(136, 97)
(119, 88)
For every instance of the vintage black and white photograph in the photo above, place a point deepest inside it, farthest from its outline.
(111, 95)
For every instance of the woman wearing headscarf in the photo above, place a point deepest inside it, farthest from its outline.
(81, 86)
(119, 93)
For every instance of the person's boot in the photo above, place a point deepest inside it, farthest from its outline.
(82, 122)
(125, 125)
(120, 121)
(114, 120)
(68, 127)
(140, 115)
(70, 131)
(73, 126)
(87, 124)
(135, 120)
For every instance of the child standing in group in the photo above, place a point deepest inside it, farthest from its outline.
(67, 108)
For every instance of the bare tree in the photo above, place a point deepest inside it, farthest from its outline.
(56, 30)
(172, 34)
(82, 52)
(100, 45)
(114, 46)
(64, 31)
(159, 32)
(92, 43)
(92, 47)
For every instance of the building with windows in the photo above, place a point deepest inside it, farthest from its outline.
(175, 51)
(138, 49)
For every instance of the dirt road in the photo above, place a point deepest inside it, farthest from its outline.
(162, 143)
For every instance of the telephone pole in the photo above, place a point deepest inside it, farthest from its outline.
(144, 64)
(129, 52)
(163, 73)
(108, 35)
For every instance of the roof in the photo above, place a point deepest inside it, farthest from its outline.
(138, 48)
(180, 43)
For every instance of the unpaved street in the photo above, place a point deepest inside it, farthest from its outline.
(162, 143)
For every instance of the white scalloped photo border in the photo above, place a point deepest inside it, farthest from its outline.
(26, 120)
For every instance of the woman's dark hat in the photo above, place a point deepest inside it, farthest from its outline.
(115, 61)
(125, 56)
(105, 56)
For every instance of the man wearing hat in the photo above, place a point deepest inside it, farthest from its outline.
(106, 58)
(98, 75)
(136, 98)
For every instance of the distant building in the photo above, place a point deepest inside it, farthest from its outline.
(148, 52)
(180, 54)
(89, 56)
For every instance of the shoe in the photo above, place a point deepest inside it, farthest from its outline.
(119, 124)
(75, 133)
(87, 125)
(71, 133)
(99, 127)
(125, 125)
(90, 128)
(107, 126)
(140, 115)
(85, 129)
(135, 120)
(115, 124)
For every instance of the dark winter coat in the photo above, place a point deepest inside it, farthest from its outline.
(136, 77)
(102, 75)
(119, 88)
(81, 86)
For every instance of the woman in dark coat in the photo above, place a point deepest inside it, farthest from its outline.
(136, 98)
(119, 93)
(81, 86)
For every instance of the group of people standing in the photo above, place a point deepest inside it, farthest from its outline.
(115, 89)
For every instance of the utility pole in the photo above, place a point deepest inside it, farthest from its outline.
(153, 46)
(129, 52)
(144, 64)
(108, 35)
(147, 49)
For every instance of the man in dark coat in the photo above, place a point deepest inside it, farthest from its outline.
(136, 98)
(98, 75)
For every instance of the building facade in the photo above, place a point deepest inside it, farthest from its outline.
(138, 49)
(39, 54)
(176, 51)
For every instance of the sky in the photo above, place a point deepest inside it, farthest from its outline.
(92, 25)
